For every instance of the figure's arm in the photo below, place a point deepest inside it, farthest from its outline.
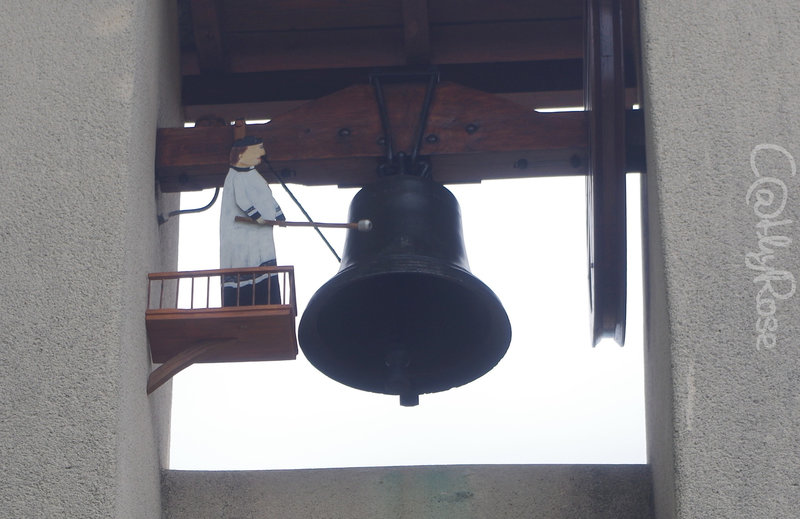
(254, 197)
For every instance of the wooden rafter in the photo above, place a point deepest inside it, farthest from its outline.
(416, 33)
(208, 37)
(296, 85)
(412, 43)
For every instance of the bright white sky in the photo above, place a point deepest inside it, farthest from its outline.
(552, 399)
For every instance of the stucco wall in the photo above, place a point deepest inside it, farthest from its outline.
(723, 405)
(458, 492)
(84, 85)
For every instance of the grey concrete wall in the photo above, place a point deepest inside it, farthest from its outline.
(462, 492)
(723, 352)
(84, 85)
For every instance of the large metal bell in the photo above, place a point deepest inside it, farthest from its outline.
(404, 315)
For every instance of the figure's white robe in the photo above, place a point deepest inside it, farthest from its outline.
(244, 244)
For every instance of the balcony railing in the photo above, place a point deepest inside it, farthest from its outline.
(202, 289)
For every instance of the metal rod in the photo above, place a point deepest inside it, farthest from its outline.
(161, 219)
(423, 117)
(300, 206)
(385, 124)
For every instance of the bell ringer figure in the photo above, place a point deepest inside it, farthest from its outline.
(242, 244)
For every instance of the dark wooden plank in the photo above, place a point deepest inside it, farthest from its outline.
(293, 85)
(250, 111)
(363, 47)
(232, 111)
(470, 11)
(507, 42)
(416, 34)
(359, 171)
(207, 36)
(299, 15)
(396, 46)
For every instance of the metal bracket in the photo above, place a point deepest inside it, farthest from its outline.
(403, 163)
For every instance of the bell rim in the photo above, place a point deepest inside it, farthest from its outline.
(406, 265)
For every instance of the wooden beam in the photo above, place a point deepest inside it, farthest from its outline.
(509, 41)
(472, 11)
(269, 110)
(294, 85)
(470, 136)
(304, 15)
(416, 34)
(208, 37)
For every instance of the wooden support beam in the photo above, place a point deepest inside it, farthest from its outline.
(536, 100)
(416, 34)
(470, 136)
(294, 85)
(470, 11)
(308, 15)
(208, 37)
(507, 41)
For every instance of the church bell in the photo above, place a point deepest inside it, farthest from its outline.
(404, 315)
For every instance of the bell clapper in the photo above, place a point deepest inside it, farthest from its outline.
(397, 380)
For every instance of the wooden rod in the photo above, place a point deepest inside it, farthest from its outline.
(360, 225)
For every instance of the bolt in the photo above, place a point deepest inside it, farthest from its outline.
(471, 128)
(381, 141)
(432, 139)
(344, 132)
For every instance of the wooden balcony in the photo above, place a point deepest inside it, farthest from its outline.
(186, 322)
